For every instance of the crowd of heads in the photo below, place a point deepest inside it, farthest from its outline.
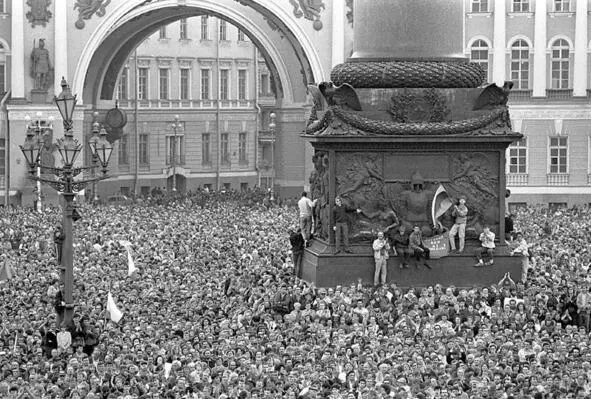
(214, 311)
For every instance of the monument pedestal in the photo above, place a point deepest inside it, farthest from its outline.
(326, 269)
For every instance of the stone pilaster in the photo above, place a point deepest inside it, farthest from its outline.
(17, 82)
(61, 46)
(338, 32)
(580, 59)
(539, 73)
(499, 42)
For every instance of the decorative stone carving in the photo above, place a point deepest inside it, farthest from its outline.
(41, 68)
(309, 9)
(408, 107)
(87, 8)
(350, 11)
(39, 13)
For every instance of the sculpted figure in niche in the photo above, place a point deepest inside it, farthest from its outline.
(322, 226)
(41, 66)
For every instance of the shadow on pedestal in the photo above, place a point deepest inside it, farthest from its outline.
(325, 269)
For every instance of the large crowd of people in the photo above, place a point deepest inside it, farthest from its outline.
(214, 311)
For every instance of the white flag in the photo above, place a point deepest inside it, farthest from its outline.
(114, 312)
(130, 263)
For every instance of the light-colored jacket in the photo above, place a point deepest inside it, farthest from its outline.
(380, 249)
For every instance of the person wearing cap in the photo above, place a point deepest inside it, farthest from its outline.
(380, 253)
(400, 244)
(341, 228)
(460, 212)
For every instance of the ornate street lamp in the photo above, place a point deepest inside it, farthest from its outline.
(65, 182)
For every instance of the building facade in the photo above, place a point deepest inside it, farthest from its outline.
(209, 74)
(543, 47)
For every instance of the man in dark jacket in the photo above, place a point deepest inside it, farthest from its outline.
(400, 243)
(297, 250)
(59, 304)
(341, 224)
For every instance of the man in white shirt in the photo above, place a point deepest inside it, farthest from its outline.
(523, 251)
(381, 255)
(305, 206)
(487, 240)
(584, 305)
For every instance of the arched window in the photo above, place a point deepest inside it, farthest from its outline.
(479, 55)
(560, 64)
(520, 64)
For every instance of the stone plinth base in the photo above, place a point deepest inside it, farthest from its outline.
(325, 269)
(39, 96)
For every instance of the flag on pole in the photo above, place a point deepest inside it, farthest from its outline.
(6, 272)
(441, 203)
(114, 312)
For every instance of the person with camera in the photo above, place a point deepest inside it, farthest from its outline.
(460, 212)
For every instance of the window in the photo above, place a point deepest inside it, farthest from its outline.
(556, 206)
(162, 32)
(124, 190)
(183, 29)
(520, 5)
(204, 27)
(241, 36)
(2, 6)
(2, 163)
(145, 191)
(224, 84)
(264, 84)
(205, 84)
(558, 154)
(518, 156)
(561, 5)
(142, 76)
(227, 186)
(244, 187)
(242, 156)
(163, 74)
(225, 148)
(2, 78)
(479, 5)
(143, 147)
(207, 186)
(479, 55)
(520, 64)
(185, 84)
(242, 84)
(122, 151)
(223, 30)
(122, 85)
(206, 149)
(560, 64)
(175, 153)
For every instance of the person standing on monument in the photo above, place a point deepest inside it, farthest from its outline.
(381, 255)
(417, 246)
(460, 212)
(487, 240)
(297, 250)
(400, 242)
(305, 206)
(341, 227)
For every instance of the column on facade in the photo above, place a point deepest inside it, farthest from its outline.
(499, 42)
(338, 32)
(61, 45)
(17, 82)
(539, 73)
(580, 59)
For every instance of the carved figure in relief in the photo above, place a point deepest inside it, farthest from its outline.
(41, 66)
(417, 204)
(309, 9)
(39, 14)
(87, 8)
(322, 225)
(475, 173)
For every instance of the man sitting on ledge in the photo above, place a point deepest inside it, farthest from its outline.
(487, 239)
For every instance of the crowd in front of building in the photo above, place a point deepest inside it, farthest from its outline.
(214, 310)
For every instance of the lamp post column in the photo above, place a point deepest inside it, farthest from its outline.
(68, 247)
(174, 160)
